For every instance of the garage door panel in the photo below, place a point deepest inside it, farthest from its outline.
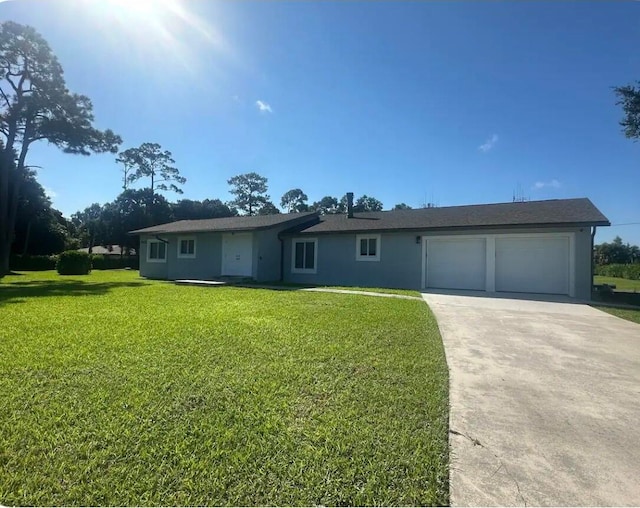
(458, 263)
(533, 265)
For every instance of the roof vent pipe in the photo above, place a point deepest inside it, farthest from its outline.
(350, 205)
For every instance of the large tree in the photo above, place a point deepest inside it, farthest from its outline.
(91, 226)
(187, 209)
(294, 200)
(36, 105)
(327, 205)
(150, 161)
(131, 210)
(367, 204)
(629, 99)
(268, 209)
(39, 228)
(250, 190)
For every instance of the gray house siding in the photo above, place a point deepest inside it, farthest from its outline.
(206, 265)
(400, 264)
(147, 269)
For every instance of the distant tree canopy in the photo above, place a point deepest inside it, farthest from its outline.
(150, 161)
(629, 99)
(616, 252)
(269, 209)
(402, 206)
(35, 105)
(367, 204)
(327, 205)
(187, 209)
(250, 190)
(40, 228)
(294, 200)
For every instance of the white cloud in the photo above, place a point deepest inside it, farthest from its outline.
(51, 194)
(264, 107)
(489, 144)
(553, 184)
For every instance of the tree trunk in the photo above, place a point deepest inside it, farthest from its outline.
(26, 239)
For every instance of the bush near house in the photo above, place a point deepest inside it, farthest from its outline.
(101, 262)
(32, 263)
(73, 262)
(624, 271)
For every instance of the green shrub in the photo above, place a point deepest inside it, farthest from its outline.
(102, 262)
(32, 263)
(73, 262)
(629, 271)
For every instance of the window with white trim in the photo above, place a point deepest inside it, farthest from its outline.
(367, 247)
(304, 256)
(187, 247)
(156, 251)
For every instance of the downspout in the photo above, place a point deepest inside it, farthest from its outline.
(593, 257)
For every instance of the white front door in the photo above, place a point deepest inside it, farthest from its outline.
(456, 263)
(535, 264)
(237, 258)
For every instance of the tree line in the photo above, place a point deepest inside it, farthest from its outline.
(616, 252)
(36, 105)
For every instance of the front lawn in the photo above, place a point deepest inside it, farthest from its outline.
(628, 314)
(620, 283)
(120, 391)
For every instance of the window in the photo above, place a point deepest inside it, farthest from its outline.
(156, 251)
(304, 256)
(187, 247)
(367, 247)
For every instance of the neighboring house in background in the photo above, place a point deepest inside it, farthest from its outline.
(533, 247)
(108, 250)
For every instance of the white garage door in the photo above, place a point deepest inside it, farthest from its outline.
(533, 265)
(457, 263)
(237, 251)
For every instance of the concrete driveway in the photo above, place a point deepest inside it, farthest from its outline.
(545, 402)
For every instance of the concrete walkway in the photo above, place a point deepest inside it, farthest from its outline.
(194, 282)
(545, 402)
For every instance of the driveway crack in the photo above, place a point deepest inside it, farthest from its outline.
(502, 465)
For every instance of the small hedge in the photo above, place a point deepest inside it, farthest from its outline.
(631, 271)
(32, 263)
(73, 262)
(101, 262)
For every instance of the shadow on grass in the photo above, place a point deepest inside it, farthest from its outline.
(19, 292)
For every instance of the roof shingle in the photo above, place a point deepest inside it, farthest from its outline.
(243, 223)
(558, 212)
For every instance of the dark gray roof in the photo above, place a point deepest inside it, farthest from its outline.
(244, 223)
(557, 212)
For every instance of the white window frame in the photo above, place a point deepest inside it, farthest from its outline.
(195, 247)
(368, 237)
(315, 255)
(158, 260)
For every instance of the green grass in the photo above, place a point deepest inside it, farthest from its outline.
(388, 291)
(620, 283)
(120, 391)
(628, 314)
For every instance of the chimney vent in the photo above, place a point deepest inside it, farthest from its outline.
(350, 205)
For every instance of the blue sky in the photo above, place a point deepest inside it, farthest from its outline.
(449, 102)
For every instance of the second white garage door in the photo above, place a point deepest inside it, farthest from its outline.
(534, 264)
(457, 263)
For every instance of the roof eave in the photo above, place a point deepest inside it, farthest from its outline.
(453, 228)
